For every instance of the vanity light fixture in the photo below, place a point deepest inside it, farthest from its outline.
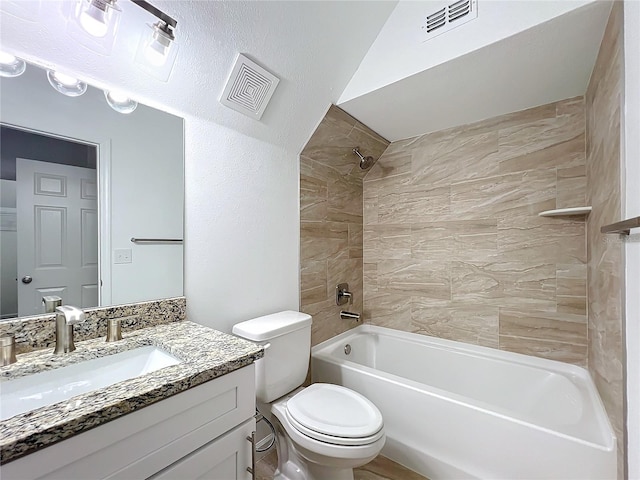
(95, 16)
(157, 49)
(66, 84)
(94, 23)
(120, 102)
(10, 65)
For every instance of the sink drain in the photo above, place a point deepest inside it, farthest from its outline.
(347, 349)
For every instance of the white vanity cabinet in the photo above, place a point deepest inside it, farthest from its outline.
(199, 433)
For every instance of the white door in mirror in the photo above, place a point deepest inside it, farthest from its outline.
(58, 220)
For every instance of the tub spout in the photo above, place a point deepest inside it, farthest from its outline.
(349, 316)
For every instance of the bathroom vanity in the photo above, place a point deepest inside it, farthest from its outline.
(197, 415)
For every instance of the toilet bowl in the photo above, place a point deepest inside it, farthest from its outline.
(327, 430)
(323, 431)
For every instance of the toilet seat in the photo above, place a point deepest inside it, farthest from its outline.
(335, 415)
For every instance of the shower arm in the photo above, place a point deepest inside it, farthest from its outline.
(357, 152)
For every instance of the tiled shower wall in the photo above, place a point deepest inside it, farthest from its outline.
(331, 219)
(604, 252)
(454, 246)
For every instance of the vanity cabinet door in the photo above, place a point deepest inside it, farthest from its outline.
(225, 458)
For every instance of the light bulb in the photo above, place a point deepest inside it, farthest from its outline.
(7, 58)
(10, 65)
(155, 54)
(157, 49)
(94, 21)
(66, 84)
(120, 102)
(66, 80)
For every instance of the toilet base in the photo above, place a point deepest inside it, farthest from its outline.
(293, 466)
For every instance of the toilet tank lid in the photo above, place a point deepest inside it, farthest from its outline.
(270, 326)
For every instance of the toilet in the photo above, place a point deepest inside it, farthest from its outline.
(323, 431)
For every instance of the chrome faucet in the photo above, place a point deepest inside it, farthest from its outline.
(66, 317)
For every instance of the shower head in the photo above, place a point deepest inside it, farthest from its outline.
(365, 162)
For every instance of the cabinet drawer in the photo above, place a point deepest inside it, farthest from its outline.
(226, 458)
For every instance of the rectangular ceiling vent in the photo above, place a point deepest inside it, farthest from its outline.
(448, 16)
(249, 88)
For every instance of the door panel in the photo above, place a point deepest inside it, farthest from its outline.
(57, 234)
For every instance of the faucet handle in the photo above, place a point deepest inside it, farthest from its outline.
(72, 315)
(51, 302)
(343, 295)
(7, 349)
(114, 329)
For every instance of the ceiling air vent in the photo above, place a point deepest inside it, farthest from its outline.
(249, 88)
(448, 16)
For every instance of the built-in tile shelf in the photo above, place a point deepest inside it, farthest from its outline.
(624, 227)
(563, 212)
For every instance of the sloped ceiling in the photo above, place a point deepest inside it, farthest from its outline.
(312, 46)
(544, 63)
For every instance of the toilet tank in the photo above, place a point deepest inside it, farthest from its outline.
(286, 337)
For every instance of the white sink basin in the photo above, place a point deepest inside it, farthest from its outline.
(46, 388)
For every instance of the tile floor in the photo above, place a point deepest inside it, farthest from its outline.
(381, 468)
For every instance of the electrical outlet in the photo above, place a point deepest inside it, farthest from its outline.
(122, 255)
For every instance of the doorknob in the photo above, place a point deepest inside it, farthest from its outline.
(27, 279)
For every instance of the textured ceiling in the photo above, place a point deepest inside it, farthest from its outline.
(314, 47)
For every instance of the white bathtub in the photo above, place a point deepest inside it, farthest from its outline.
(453, 410)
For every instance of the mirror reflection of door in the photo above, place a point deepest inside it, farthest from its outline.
(55, 233)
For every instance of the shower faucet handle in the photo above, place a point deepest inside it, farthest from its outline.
(343, 295)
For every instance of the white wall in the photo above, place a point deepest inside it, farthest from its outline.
(631, 122)
(145, 165)
(242, 230)
(399, 50)
(515, 55)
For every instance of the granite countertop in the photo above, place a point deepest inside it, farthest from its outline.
(205, 353)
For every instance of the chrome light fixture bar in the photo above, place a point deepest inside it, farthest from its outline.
(159, 14)
(94, 24)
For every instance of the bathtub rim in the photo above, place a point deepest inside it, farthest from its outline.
(322, 351)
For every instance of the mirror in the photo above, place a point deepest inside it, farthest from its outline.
(123, 175)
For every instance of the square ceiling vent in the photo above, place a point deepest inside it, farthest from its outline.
(447, 15)
(249, 88)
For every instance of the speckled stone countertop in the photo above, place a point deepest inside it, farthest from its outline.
(205, 354)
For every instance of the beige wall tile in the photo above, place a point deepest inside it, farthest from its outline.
(468, 198)
(575, 305)
(319, 241)
(411, 204)
(355, 240)
(522, 193)
(331, 215)
(313, 282)
(504, 284)
(387, 242)
(313, 199)
(445, 162)
(464, 323)
(572, 187)
(388, 309)
(426, 279)
(544, 326)
(605, 254)
(537, 240)
(560, 351)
